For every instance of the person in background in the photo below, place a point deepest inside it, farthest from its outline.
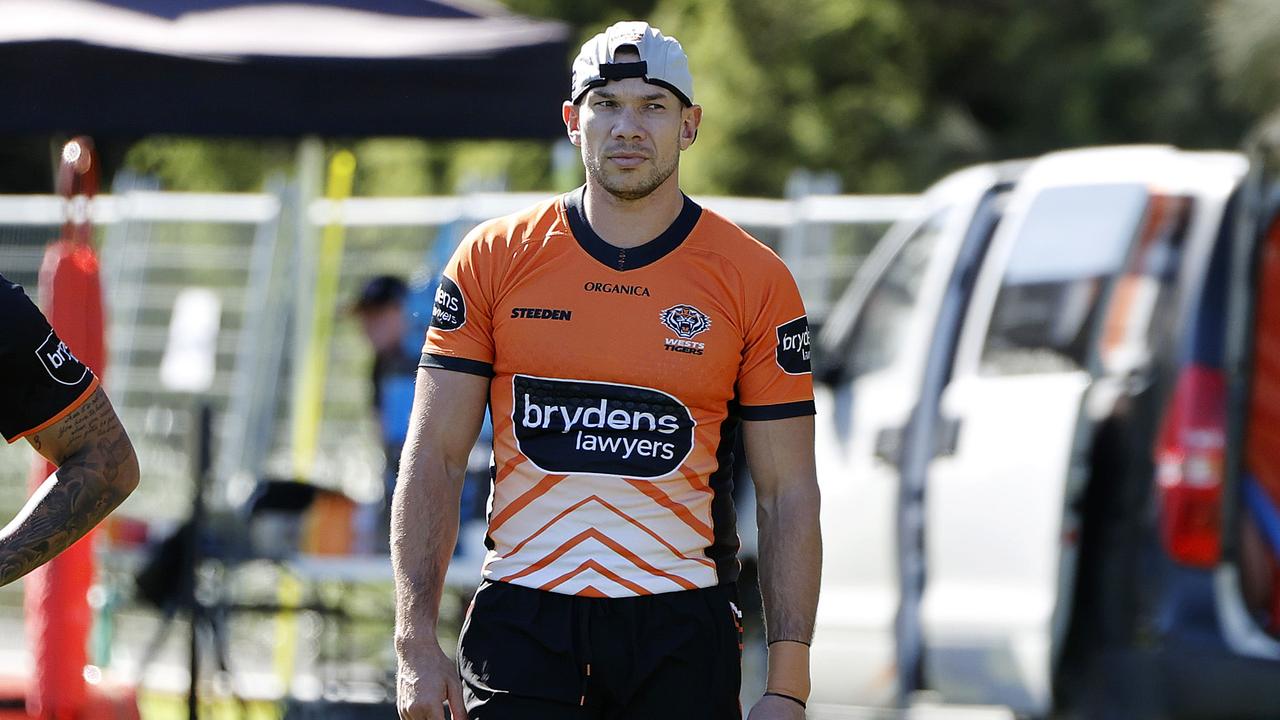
(50, 399)
(380, 310)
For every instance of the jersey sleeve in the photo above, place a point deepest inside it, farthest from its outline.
(774, 380)
(460, 336)
(40, 380)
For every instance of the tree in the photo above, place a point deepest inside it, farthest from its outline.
(830, 86)
(889, 94)
(1245, 38)
(1061, 73)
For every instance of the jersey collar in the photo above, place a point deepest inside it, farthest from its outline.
(623, 259)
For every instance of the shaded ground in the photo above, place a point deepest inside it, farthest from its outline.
(336, 646)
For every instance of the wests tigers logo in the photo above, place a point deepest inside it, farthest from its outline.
(685, 320)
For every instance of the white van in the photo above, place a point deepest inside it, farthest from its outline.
(966, 376)
(876, 345)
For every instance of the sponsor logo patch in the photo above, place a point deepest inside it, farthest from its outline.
(58, 361)
(616, 289)
(689, 347)
(528, 313)
(793, 346)
(585, 427)
(449, 311)
(685, 320)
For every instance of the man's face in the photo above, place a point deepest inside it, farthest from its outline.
(631, 134)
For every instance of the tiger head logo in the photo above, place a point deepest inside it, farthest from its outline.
(685, 320)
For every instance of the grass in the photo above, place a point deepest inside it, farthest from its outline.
(157, 706)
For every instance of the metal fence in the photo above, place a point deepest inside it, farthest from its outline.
(257, 253)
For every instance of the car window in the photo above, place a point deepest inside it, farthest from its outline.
(1072, 241)
(883, 321)
(1142, 313)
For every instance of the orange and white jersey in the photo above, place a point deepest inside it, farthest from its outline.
(619, 380)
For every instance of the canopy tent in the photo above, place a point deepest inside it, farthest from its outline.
(431, 68)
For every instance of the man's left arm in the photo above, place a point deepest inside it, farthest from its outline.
(97, 469)
(781, 458)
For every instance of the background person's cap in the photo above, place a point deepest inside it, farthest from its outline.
(662, 61)
(380, 291)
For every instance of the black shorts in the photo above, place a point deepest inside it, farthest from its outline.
(528, 654)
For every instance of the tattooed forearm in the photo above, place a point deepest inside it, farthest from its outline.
(97, 472)
(61, 511)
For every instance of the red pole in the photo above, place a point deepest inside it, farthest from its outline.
(57, 610)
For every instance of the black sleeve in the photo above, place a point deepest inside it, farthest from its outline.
(40, 380)
(448, 362)
(780, 411)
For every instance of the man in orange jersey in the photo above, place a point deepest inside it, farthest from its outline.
(622, 337)
(54, 402)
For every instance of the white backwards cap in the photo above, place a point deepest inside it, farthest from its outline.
(662, 61)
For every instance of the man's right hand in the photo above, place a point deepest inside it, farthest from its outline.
(425, 681)
(448, 409)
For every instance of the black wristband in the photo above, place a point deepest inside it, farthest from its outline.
(790, 640)
(792, 699)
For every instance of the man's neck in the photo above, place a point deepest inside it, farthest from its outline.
(631, 223)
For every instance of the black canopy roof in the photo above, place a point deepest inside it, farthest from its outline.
(432, 68)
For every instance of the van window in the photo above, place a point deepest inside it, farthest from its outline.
(884, 318)
(1142, 312)
(1071, 243)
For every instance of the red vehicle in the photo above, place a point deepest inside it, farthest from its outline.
(1248, 586)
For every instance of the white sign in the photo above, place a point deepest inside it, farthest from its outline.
(190, 356)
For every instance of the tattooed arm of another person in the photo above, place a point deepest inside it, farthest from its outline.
(97, 469)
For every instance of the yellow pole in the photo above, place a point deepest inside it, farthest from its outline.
(308, 403)
(288, 597)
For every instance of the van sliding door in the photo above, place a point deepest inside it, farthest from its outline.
(999, 530)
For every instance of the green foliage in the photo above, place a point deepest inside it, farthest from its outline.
(1061, 73)
(888, 94)
(411, 166)
(508, 165)
(399, 166)
(208, 164)
(1246, 42)
(829, 86)
(384, 166)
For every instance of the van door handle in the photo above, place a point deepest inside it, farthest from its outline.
(947, 438)
(889, 445)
